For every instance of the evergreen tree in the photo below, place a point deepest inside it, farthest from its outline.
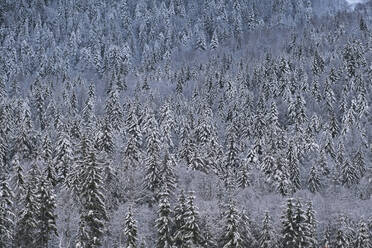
(314, 180)
(46, 216)
(190, 232)
(311, 221)
(289, 226)
(363, 238)
(6, 213)
(91, 192)
(130, 230)
(341, 240)
(167, 175)
(179, 220)
(63, 153)
(152, 162)
(349, 174)
(214, 42)
(231, 238)
(164, 222)
(26, 226)
(267, 236)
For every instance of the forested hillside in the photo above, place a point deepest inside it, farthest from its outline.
(185, 124)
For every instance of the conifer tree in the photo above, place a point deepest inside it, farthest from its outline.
(6, 213)
(90, 187)
(179, 221)
(214, 42)
(164, 222)
(26, 226)
(130, 230)
(349, 174)
(167, 175)
(314, 180)
(231, 237)
(311, 221)
(152, 162)
(189, 233)
(63, 153)
(341, 240)
(363, 237)
(267, 236)
(303, 229)
(289, 226)
(46, 216)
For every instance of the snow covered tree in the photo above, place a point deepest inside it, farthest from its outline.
(6, 213)
(349, 174)
(179, 221)
(314, 180)
(91, 193)
(289, 225)
(164, 222)
(311, 221)
(26, 226)
(214, 42)
(167, 174)
(231, 237)
(267, 236)
(189, 234)
(152, 162)
(46, 217)
(113, 109)
(363, 238)
(341, 240)
(63, 153)
(130, 230)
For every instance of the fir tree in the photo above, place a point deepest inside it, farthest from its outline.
(152, 162)
(341, 240)
(311, 221)
(91, 192)
(26, 226)
(130, 230)
(349, 174)
(267, 236)
(214, 42)
(314, 180)
(190, 232)
(289, 227)
(46, 216)
(231, 238)
(6, 213)
(164, 222)
(179, 221)
(363, 237)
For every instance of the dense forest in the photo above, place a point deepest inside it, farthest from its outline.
(185, 124)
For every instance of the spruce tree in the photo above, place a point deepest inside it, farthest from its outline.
(341, 240)
(26, 226)
(363, 236)
(289, 227)
(312, 224)
(63, 153)
(130, 230)
(231, 237)
(267, 235)
(314, 180)
(6, 213)
(152, 162)
(91, 193)
(46, 216)
(179, 221)
(349, 174)
(164, 222)
(189, 233)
